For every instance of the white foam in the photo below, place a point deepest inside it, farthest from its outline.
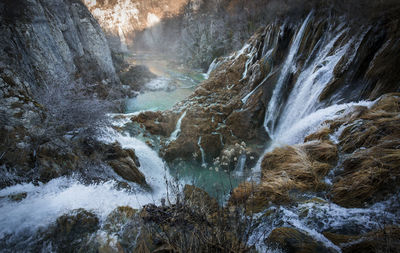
(273, 105)
(46, 202)
(177, 130)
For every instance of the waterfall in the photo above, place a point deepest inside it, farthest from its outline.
(212, 67)
(151, 165)
(250, 59)
(274, 104)
(177, 131)
(240, 165)
(303, 99)
(203, 154)
(46, 202)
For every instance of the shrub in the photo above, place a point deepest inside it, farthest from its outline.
(69, 109)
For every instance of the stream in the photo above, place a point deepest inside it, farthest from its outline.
(173, 84)
(44, 203)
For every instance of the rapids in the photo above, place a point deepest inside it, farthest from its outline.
(287, 121)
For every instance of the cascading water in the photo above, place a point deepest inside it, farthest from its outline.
(289, 121)
(177, 130)
(203, 154)
(46, 202)
(275, 102)
(315, 217)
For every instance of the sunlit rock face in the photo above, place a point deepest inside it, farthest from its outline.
(121, 18)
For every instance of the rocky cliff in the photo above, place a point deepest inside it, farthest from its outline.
(56, 71)
(53, 41)
(120, 19)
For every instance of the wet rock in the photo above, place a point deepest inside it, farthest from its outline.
(71, 232)
(212, 145)
(181, 148)
(199, 199)
(157, 123)
(56, 158)
(291, 240)
(18, 197)
(122, 228)
(136, 77)
(383, 240)
(119, 218)
(125, 163)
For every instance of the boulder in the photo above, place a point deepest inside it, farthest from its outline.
(157, 123)
(125, 163)
(71, 232)
(382, 240)
(199, 199)
(18, 196)
(294, 241)
(136, 77)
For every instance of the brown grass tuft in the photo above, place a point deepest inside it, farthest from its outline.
(286, 170)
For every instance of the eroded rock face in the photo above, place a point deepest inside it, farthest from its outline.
(67, 46)
(47, 44)
(121, 18)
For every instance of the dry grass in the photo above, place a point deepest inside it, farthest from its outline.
(321, 135)
(369, 175)
(286, 170)
(372, 142)
(192, 226)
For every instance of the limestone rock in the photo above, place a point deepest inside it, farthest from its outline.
(292, 240)
(199, 199)
(125, 163)
(71, 231)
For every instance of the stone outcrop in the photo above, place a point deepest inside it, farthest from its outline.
(383, 240)
(291, 240)
(125, 163)
(120, 19)
(52, 42)
(72, 231)
(55, 49)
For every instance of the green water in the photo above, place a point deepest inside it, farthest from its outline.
(179, 83)
(176, 82)
(156, 100)
(212, 179)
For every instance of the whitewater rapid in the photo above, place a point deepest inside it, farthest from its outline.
(46, 202)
